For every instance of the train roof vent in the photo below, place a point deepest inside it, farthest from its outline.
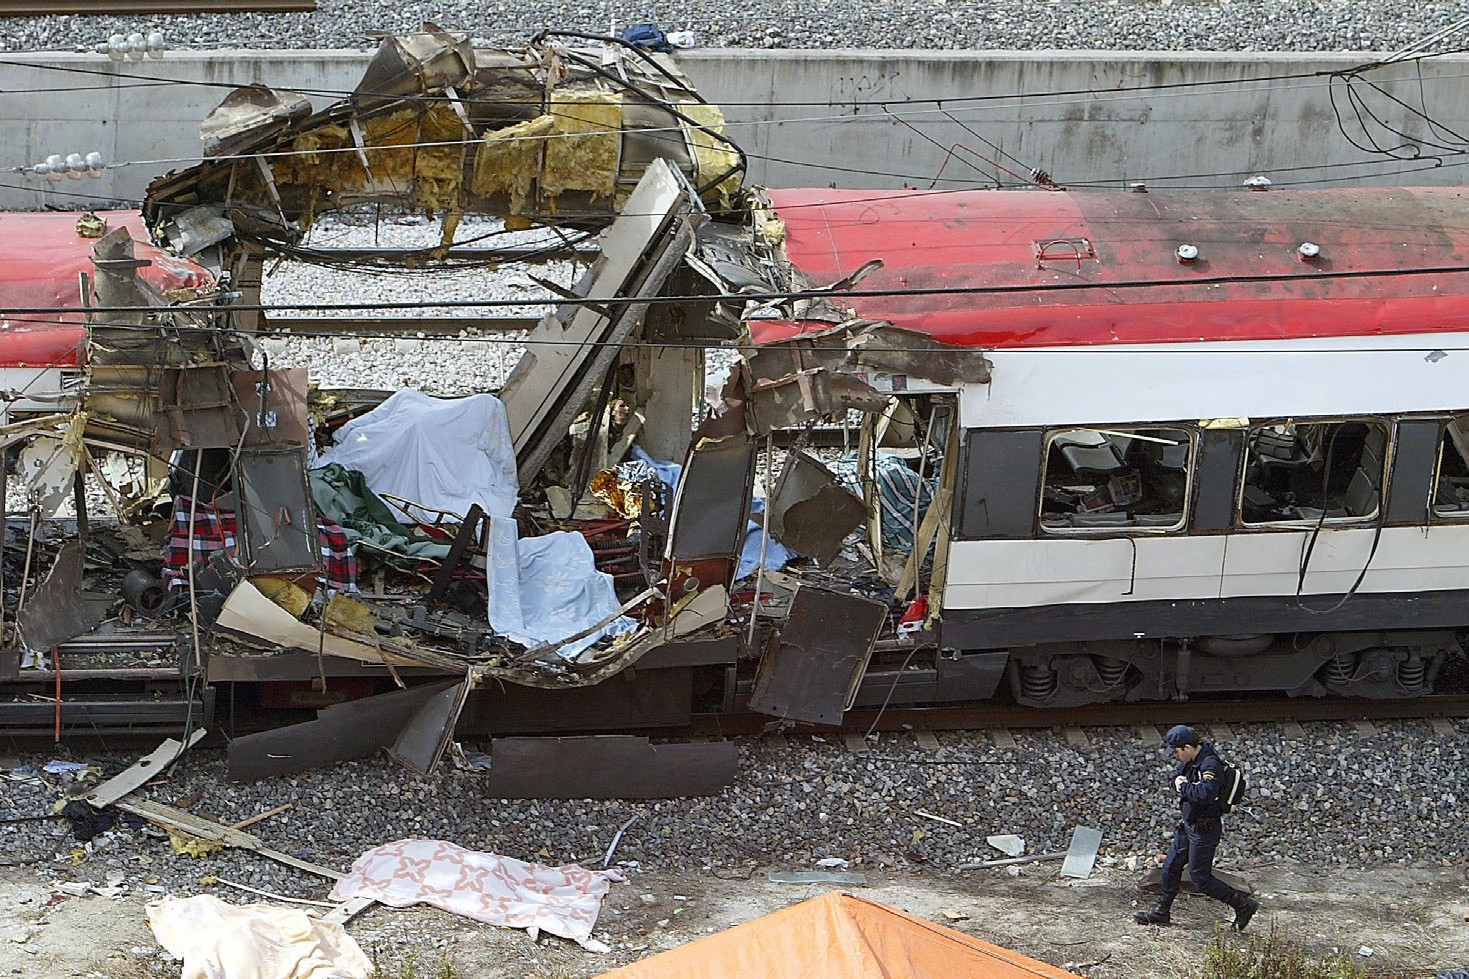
(1076, 250)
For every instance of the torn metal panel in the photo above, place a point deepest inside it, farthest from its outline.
(356, 729)
(813, 668)
(810, 512)
(851, 365)
(199, 408)
(607, 767)
(424, 739)
(58, 609)
(273, 404)
(565, 359)
(247, 114)
(806, 395)
(712, 505)
(276, 517)
(426, 61)
(49, 466)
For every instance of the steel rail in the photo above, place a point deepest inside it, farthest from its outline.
(38, 8)
(979, 717)
(396, 326)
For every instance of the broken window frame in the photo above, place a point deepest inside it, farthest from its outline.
(1448, 451)
(1312, 515)
(1130, 526)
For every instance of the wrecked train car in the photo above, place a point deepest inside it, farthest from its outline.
(1048, 447)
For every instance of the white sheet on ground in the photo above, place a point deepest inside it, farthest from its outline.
(487, 887)
(253, 941)
(444, 453)
(543, 589)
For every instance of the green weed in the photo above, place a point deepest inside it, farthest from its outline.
(1273, 956)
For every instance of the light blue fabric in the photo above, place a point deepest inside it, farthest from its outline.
(543, 589)
(777, 555)
(669, 472)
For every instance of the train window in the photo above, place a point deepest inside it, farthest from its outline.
(1097, 480)
(1309, 472)
(1451, 486)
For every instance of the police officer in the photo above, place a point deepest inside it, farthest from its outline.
(1196, 783)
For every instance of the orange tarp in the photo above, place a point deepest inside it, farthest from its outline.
(838, 936)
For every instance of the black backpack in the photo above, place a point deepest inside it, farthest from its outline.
(1232, 786)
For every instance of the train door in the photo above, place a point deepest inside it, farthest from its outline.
(1310, 513)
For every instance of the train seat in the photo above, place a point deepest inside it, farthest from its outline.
(1089, 454)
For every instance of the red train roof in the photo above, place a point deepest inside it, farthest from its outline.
(1099, 267)
(41, 257)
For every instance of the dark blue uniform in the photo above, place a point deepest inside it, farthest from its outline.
(1197, 837)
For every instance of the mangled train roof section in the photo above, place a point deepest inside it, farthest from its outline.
(41, 257)
(1035, 268)
(544, 133)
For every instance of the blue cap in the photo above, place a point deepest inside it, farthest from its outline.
(1180, 735)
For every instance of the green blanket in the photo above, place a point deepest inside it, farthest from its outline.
(342, 495)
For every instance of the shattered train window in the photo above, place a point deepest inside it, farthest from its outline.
(1451, 485)
(1313, 471)
(1097, 480)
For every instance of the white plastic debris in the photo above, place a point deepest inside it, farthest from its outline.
(1008, 844)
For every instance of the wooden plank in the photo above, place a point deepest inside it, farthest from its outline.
(1148, 733)
(1076, 737)
(1292, 731)
(1365, 728)
(1442, 726)
(1221, 732)
(141, 771)
(1002, 738)
(156, 812)
(252, 820)
(927, 740)
(855, 743)
(348, 910)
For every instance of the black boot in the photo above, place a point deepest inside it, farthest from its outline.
(1158, 914)
(1244, 909)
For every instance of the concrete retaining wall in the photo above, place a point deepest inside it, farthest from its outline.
(847, 118)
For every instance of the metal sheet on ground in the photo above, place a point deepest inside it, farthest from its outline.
(607, 767)
(355, 729)
(422, 741)
(812, 671)
(1081, 855)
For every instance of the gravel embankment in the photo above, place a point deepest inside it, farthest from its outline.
(1335, 799)
(1309, 25)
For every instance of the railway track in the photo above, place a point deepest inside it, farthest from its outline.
(981, 717)
(38, 8)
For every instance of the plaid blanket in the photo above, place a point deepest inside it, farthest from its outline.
(216, 529)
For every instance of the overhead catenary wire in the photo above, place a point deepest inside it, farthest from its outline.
(742, 298)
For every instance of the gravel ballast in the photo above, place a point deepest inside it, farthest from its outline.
(1334, 799)
(1310, 25)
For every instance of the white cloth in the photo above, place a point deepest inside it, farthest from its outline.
(487, 887)
(543, 589)
(444, 453)
(253, 941)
